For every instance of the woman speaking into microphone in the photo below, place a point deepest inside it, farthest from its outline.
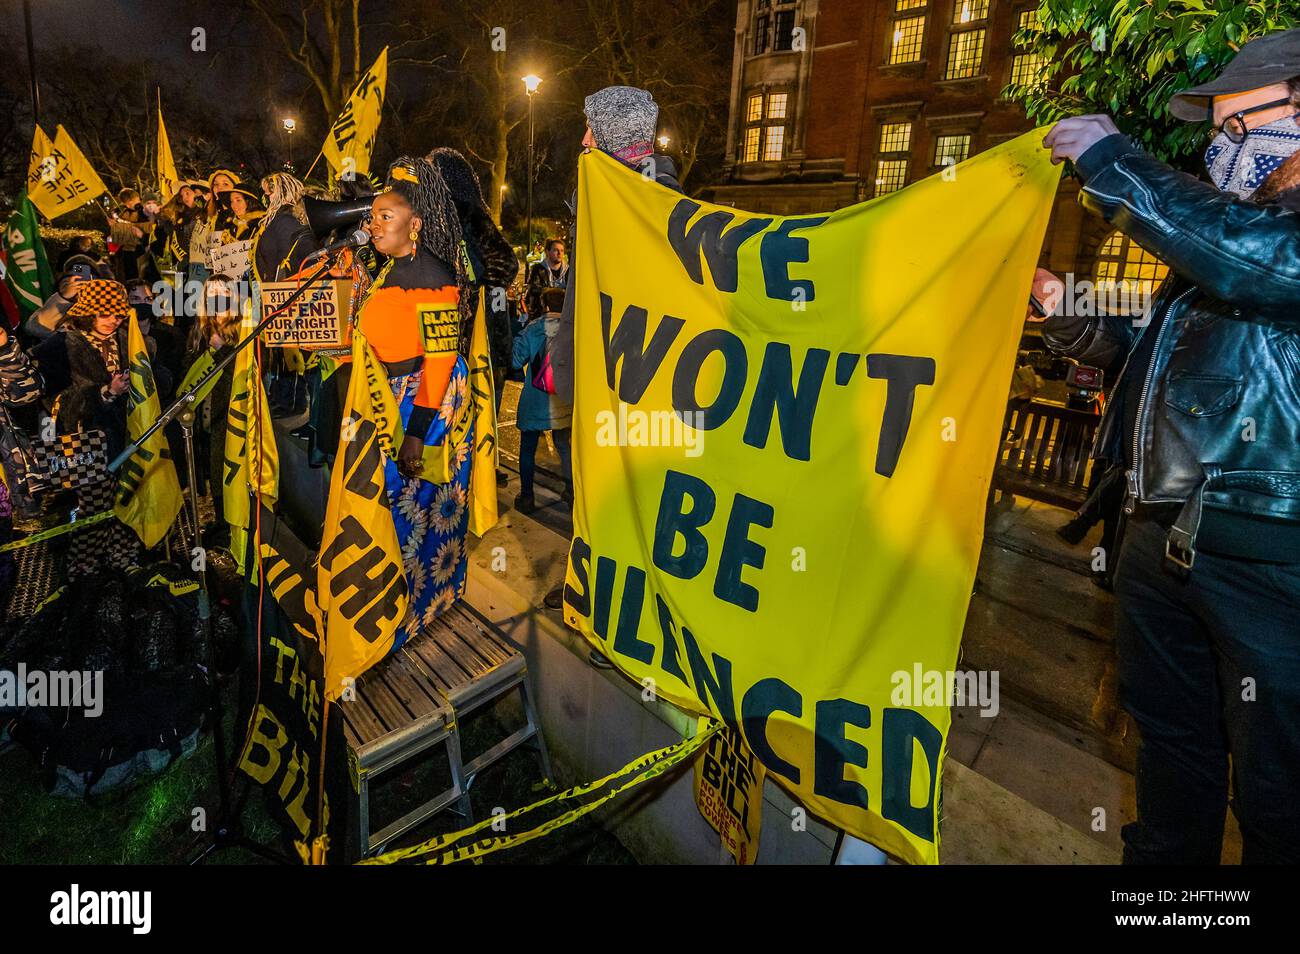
(412, 317)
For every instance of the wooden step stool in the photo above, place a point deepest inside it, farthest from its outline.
(414, 700)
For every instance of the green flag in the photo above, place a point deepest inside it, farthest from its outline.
(27, 271)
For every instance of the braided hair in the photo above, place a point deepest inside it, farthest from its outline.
(440, 231)
(283, 191)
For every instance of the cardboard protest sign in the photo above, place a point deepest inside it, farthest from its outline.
(318, 319)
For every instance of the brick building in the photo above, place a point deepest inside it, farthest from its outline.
(838, 101)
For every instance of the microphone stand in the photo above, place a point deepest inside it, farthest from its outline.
(227, 832)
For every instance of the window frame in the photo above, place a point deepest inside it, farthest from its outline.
(918, 11)
(936, 161)
(891, 157)
(764, 122)
(980, 27)
(1120, 260)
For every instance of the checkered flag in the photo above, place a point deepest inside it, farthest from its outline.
(70, 460)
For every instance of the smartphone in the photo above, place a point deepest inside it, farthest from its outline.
(1037, 305)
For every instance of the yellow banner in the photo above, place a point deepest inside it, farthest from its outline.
(483, 514)
(148, 490)
(352, 137)
(59, 177)
(360, 585)
(168, 180)
(252, 460)
(784, 432)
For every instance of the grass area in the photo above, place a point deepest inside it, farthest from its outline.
(151, 822)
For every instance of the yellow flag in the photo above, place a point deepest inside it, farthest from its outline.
(168, 180)
(352, 137)
(148, 490)
(483, 471)
(59, 178)
(251, 457)
(784, 432)
(361, 588)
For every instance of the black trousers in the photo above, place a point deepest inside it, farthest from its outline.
(1209, 668)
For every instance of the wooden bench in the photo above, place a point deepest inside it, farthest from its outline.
(1045, 453)
(414, 699)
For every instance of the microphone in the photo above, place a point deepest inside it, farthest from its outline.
(353, 240)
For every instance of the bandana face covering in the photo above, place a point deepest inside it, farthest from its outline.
(1242, 167)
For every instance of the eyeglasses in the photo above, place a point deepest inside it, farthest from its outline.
(1234, 127)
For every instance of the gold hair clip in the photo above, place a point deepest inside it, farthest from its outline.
(403, 173)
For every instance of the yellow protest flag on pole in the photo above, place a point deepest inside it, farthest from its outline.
(361, 587)
(148, 490)
(59, 178)
(168, 180)
(483, 514)
(252, 461)
(351, 139)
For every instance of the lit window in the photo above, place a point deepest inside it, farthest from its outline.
(956, 148)
(965, 54)
(895, 137)
(1028, 20)
(1027, 69)
(775, 106)
(751, 144)
(966, 11)
(754, 108)
(891, 175)
(774, 143)
(909, 37)
(902, 5)
(1127, 274)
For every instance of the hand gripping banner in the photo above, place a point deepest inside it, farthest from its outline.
(784, 431)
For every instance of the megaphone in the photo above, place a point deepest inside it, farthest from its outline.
(324, 215)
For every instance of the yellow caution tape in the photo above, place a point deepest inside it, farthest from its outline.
(651, 765)
(56, 531)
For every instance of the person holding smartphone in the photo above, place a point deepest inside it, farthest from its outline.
(90, 354)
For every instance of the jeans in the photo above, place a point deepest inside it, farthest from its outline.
(528, 457)
(1209, 666)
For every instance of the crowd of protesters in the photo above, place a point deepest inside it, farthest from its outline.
(1207, 577)
(64, 365)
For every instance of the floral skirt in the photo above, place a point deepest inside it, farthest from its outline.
(432, 519)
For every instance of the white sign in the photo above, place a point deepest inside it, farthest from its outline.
(230, 259)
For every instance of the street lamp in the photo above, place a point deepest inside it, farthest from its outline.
(289, 125)
(663, 143)
(531, 82)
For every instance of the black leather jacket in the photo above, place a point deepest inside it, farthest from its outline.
(1205, 413)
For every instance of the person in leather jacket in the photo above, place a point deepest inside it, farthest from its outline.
(1205, 422)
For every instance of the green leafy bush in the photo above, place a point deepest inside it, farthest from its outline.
(1128, 57)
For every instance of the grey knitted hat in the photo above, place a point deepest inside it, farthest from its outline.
(623, 120)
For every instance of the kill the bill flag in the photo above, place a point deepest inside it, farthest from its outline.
(784, 432)
(148, 490)
(351, 139)
(168, 180)
(252, 460)
(59, 178)
(361, 584)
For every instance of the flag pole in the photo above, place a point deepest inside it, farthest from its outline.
(31, 63)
